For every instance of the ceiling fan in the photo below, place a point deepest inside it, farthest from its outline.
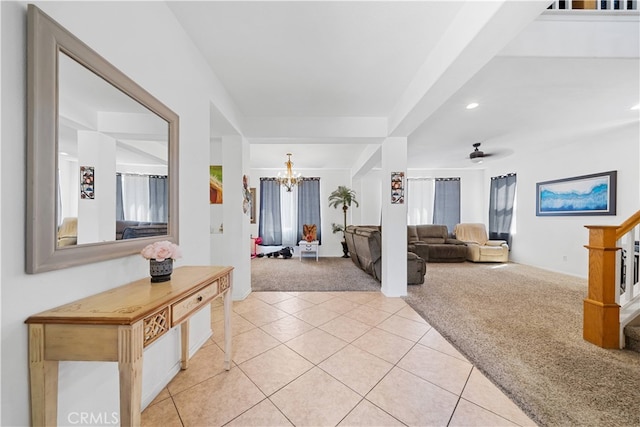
(476, 155)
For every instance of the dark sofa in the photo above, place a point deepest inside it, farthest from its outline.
(432, 243)
(365, 248)
(134, 229)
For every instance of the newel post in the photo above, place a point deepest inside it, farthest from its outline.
(601, 324)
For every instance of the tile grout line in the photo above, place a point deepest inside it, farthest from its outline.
(460, 396)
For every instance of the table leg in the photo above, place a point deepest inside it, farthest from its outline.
(130, 347)
(43, 375)
(227, 328)
(184, 340)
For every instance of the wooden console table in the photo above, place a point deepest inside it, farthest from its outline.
(115, 326)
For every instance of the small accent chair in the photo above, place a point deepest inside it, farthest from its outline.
(479, 247)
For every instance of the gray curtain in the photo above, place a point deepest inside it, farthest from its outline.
(270, 223)
(119, 202)
(158, 198)
(309, 206)
(446, 202)
(501, 200)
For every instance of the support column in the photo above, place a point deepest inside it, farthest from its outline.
(236, 236)
(97, 217)
(394, 219)
(601, 325)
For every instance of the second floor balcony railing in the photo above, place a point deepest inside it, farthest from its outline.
(603, 5)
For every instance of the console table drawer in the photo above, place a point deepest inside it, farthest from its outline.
(308, 247)
(184, 308)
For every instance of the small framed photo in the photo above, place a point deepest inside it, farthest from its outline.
(397, 187)
(87, 183)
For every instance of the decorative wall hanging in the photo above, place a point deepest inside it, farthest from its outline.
(397, 187)
(246, 195)
(215, 184)
(581, 195)
(87, 189)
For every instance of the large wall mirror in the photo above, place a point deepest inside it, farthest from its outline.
(102, 156)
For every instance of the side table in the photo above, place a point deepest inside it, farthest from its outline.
(308, 248)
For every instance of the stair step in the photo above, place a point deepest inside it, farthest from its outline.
(632, 338)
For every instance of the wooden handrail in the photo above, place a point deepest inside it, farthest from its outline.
(626, 226)
(601, 324)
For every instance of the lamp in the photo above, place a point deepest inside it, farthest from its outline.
(290, 178)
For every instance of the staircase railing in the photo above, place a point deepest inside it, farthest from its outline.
(613, 5)
(614, 296)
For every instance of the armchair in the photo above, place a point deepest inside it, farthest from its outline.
(68, 232)
(479, 247)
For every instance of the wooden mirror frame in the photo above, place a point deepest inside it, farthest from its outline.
(45, 39)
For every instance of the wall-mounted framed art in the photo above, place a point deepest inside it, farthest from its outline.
(593, 194)
(215, 184)
(397, 187)
(87, 183)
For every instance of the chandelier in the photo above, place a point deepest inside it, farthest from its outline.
(290, 178)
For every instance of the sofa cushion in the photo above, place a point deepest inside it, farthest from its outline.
(447, 253)
(433, 240)
(426, 231)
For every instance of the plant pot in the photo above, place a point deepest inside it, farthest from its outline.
(160, 270)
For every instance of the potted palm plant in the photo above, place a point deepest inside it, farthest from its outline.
(342, 196)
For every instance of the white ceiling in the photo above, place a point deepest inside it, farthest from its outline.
(304, 60)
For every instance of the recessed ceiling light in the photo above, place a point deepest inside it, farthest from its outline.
(636, 107)
(472, 105)
(62, 153)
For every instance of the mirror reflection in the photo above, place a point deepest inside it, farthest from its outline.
(112, 162)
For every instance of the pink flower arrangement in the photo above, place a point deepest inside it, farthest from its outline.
(161, 251)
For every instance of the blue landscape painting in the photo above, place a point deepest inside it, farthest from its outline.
(587, 195)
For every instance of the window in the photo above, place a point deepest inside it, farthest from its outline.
(501, 207)
(141, 197)
(419, 201)
(433, 201)
(282, 213)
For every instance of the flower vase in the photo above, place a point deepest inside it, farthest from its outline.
(160, 270)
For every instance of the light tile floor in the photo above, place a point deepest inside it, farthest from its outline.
(326, 359)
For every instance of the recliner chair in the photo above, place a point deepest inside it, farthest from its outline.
(479, 247)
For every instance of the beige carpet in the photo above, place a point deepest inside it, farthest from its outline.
(293, 274)
(520, 325)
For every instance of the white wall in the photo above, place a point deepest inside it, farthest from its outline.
(330, 179)
(557, 243)
(151, 48)
(369, 191)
